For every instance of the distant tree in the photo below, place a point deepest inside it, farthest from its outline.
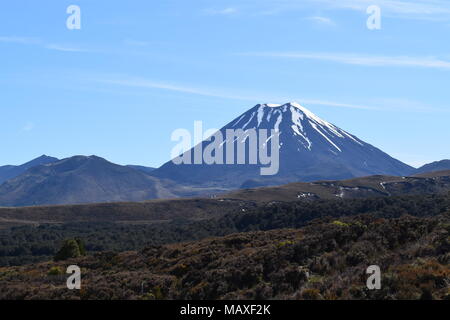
(81, 246)
(69, 249)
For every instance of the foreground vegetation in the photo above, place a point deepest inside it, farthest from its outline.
(300, 250)
(30, 244)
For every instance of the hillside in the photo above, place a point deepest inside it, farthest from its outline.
(126, 212)
(326, 259)
(443, 165)
(80, 179)
(141, 168)
(372, 186)
(10, 172)
(221, 203)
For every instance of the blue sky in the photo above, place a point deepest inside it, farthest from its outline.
(138, 70)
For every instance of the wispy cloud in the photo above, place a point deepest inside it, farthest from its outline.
(378, 103)
(358, 59)
(338, 104)
(64, 48)
(40, 43)
(411, 9)
(29, 126)
(225, 11)
(20, 40)
(150, 84)
(322, 20)
(126, 81)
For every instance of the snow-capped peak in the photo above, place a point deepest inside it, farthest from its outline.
(272, 105)
(304, 110)
(293, 120)
(309, 149)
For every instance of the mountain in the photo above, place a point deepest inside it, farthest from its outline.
(80, 179)
(434, 166)
(309, 149)
(9, 172)
(141, 168)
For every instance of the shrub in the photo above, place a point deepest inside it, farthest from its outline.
(285, 243)
(157, 292)
(69, 249)
(340, 223)
(311, 294)
(81, 247)
(55, 271)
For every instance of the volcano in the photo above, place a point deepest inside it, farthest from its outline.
(310, 149)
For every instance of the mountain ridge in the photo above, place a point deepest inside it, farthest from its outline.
(80, 179)
(434, 166)
(11, 171)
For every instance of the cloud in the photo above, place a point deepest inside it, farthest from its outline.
(322, 20)
(358, 59)
(378, 103)
(404, 8)
(219, 93)
(144, 83)
(20, 40)
(338, 104)
(40, 43)
(225, 11)
(64, 48)
(412, 9)
(29, 126)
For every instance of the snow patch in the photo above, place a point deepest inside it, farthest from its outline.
(277, 124)
(238, 120)
(323, 135)
(246, 124)
(260, 114)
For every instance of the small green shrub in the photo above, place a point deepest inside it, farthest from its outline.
(341, 224)
(285, 243)
(55, 271)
